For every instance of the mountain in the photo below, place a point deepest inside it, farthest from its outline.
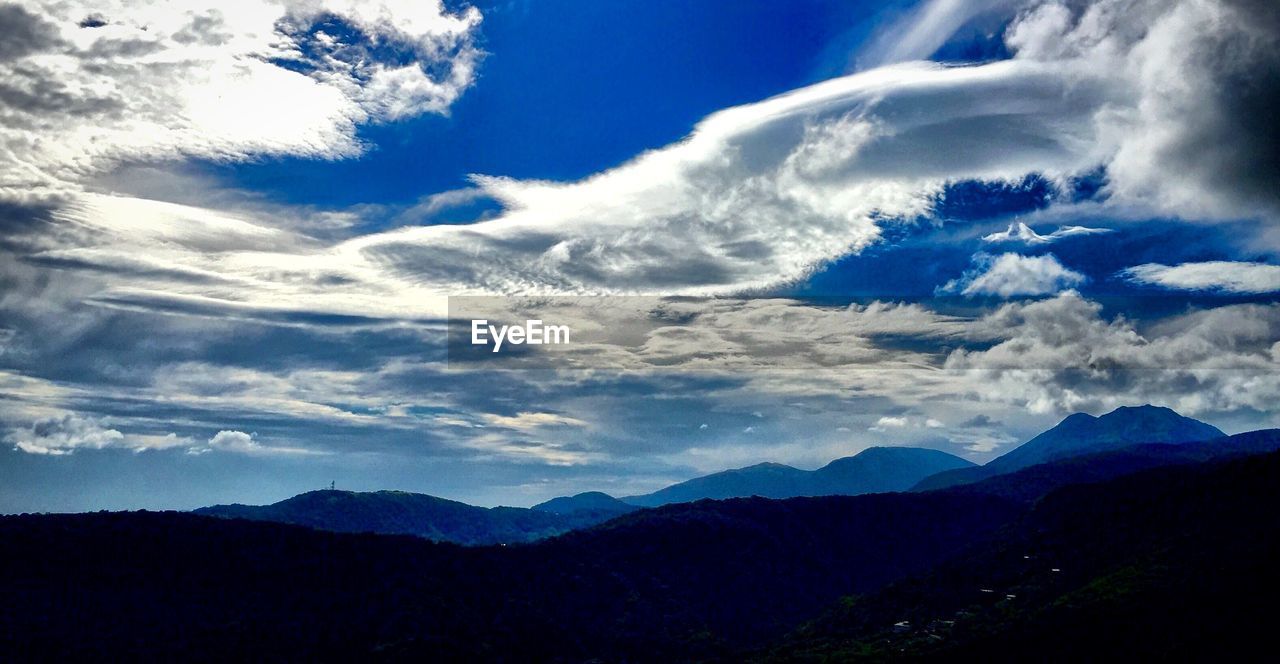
(768, 480)
(873, 470)
(402, 513)
(676, 583)
(883, 469)
(1170, 563)
(1173, 563)
(589, 502)
(1029, 484)
(1082, 433)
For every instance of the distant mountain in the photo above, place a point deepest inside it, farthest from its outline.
(883, 469)
(767, 480)
(402, 513)
(1030, 484)
(1082, 433)
(591, 502)
(873, 470)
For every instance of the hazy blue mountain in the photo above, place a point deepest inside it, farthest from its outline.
(403, 513)
(882, 469)
(874, 470)
(589, 502)
(1082, 433)
(1028, 485)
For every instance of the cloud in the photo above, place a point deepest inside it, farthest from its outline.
(980, 420)
(526, 421)
(1221, 276)
(1061, 355)
(1192, 136)
(924, 30)
(155, 80)
(239, 442)
(764, 194)
(888, 422)
(701, 216)
(70, 432)
(1010, 275)
(755, 197)
(1020, 232)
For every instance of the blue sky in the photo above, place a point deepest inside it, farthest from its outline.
(568, 89)
(230, 238)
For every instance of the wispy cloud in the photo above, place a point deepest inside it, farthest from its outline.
(1020, 232)
(1220, 276)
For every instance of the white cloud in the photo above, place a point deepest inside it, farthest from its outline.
(234, 441)
(69, 432)
(1224, 276)
(526, 421)
(1010, 275)
(764, 194)
(924, 30)
(160, 79)
(1189, 131)
(702, 215)
(1060, 355)
(1020, 232)
(239, 442)
(889, 422)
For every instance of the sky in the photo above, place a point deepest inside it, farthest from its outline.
(233, 239)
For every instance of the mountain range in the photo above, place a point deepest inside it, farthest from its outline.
(403, 513)
(1082, 433)
(1149, 551)
(874, 470)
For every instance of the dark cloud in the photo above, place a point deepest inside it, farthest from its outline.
(979, 421)
(24, 33)
(1235, 143)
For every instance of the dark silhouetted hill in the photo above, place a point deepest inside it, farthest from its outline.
(589, 502)
(402, 513)
(1170, 564)
(688, 580)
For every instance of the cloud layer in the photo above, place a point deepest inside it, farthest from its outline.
(85, 86)
(138, 324)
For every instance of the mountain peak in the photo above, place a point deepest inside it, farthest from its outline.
(873, 470)
(592, 501)
(1082, 433)
(1127, 425)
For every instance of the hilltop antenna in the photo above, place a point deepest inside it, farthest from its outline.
(332, 484)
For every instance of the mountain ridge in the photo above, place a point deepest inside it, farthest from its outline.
(406, 513)
(873, 470)
(1081, 433)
